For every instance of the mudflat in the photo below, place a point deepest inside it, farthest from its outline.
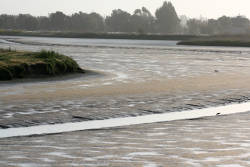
(139, 80)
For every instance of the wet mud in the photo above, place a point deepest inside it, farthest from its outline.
(142, 80)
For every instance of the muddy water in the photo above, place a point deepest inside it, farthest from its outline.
(219, 141)
(134, 78)
(127, 121)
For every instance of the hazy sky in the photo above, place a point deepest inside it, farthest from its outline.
(191, 8)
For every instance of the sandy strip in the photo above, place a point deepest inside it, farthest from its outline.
(216, 82)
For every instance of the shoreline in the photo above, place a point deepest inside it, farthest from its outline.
(131, 36)
(65, 77)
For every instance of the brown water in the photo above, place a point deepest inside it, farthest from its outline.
(217, 141)
(138, 78)
(127, 121)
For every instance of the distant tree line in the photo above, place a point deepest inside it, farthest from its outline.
(165, 21)
(223, 25)
(141, 21)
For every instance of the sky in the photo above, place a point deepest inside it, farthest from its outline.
(190, 8)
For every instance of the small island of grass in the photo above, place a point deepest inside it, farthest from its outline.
(21, 64)
(222, 40)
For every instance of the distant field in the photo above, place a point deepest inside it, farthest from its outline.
(97, 35)
(17, 64)
(230, 40)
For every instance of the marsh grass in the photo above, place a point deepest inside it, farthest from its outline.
(17, 64)
(136, 36)
(222, 40)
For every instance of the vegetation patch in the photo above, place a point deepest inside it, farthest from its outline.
(17, 64)
(69, 34)
(233, 41)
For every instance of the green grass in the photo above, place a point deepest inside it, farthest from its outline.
(18, 64)
(223, 40)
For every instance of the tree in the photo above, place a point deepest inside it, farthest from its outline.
(166, 18)
(142, 21)
(224, 24)
(212, 27)
(240, 21)
(58, 21)
(43, 23)
(7, 21)
(26, 22)
(119, 21)
(194, 26)
(96, 22)
(233, 25)
(83, 22)
(77, 22)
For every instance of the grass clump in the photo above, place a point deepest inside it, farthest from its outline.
(57, 63)
(222, 40)
(216, 43)
(17, 64)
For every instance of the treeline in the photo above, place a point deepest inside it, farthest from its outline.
(142, 21)
(165, 21)
(222, 25)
